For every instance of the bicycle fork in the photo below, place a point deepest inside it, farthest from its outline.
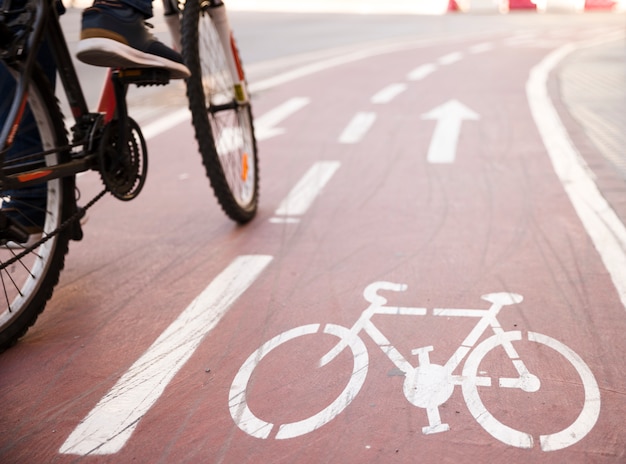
(217, 11)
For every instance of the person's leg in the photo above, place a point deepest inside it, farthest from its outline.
(114, 34)
(27, 206)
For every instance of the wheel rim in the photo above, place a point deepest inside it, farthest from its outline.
(252, 425)
(231, 123)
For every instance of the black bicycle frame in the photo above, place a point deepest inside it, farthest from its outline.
(20, 54)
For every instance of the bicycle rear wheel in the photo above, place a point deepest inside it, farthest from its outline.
(224, 127)
(27, 278)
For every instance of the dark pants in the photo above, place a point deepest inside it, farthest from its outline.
(28, 203)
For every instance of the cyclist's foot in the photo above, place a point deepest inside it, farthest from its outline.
(117, 37)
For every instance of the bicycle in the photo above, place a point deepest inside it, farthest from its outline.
(428, 385)
(109, 140)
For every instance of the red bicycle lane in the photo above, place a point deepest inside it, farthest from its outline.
(495, 220)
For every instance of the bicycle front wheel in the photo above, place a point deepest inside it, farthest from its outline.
(29, 271)
(223, 125)
(558, 440)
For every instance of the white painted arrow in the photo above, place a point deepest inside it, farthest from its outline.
(449, 117)
(265, 125)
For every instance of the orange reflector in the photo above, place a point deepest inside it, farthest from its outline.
(244, 167)
(33, 175)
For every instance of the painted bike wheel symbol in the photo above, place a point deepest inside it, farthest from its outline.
(549, 442)
(252, 425)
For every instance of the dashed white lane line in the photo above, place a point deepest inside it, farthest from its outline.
(481, 48)
(265, 125)
(163, 124)
(422, 71)
(305, 191)
(357, 127)
(602, 224)
(112, 421)
(388, 93)
(450, 58)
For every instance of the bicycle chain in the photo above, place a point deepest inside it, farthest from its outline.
(74, 217)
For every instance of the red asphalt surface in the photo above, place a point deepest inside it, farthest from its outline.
(497, 219)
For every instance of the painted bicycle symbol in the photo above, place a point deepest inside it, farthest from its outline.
(428, 385)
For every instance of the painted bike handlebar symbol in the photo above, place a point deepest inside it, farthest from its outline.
(428, 385)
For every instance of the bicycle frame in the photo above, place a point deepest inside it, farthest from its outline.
(112, 102)
(36, 150)
(217, 11)
(487, 319)
(45, 25)
(377, 307)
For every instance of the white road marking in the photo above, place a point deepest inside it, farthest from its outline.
(173, 119)
(246, 420)
(602, 224)
(422, 71)
(520, 39)
(552, 442)
(284, 220)
(305, 191)
(450, 58)
(335, 61)
(110, 424)
(388, 93)
(265, 125)
(449, 117)
(231, 139)
(357, 128)
(166, 123)
(481, 48)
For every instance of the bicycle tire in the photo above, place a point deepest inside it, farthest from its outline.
(549, 442)
(258, 428)
(28, 284)
(223, 127)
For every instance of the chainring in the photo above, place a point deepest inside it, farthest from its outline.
(123, 169)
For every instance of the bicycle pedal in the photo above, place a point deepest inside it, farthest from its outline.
(143, 76)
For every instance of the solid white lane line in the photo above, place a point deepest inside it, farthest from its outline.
(306, 190)
(422, 71)
(388, 93)
(335, 61)
(265, 125)
(357, 128)
(110, 424)
(602, 224)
